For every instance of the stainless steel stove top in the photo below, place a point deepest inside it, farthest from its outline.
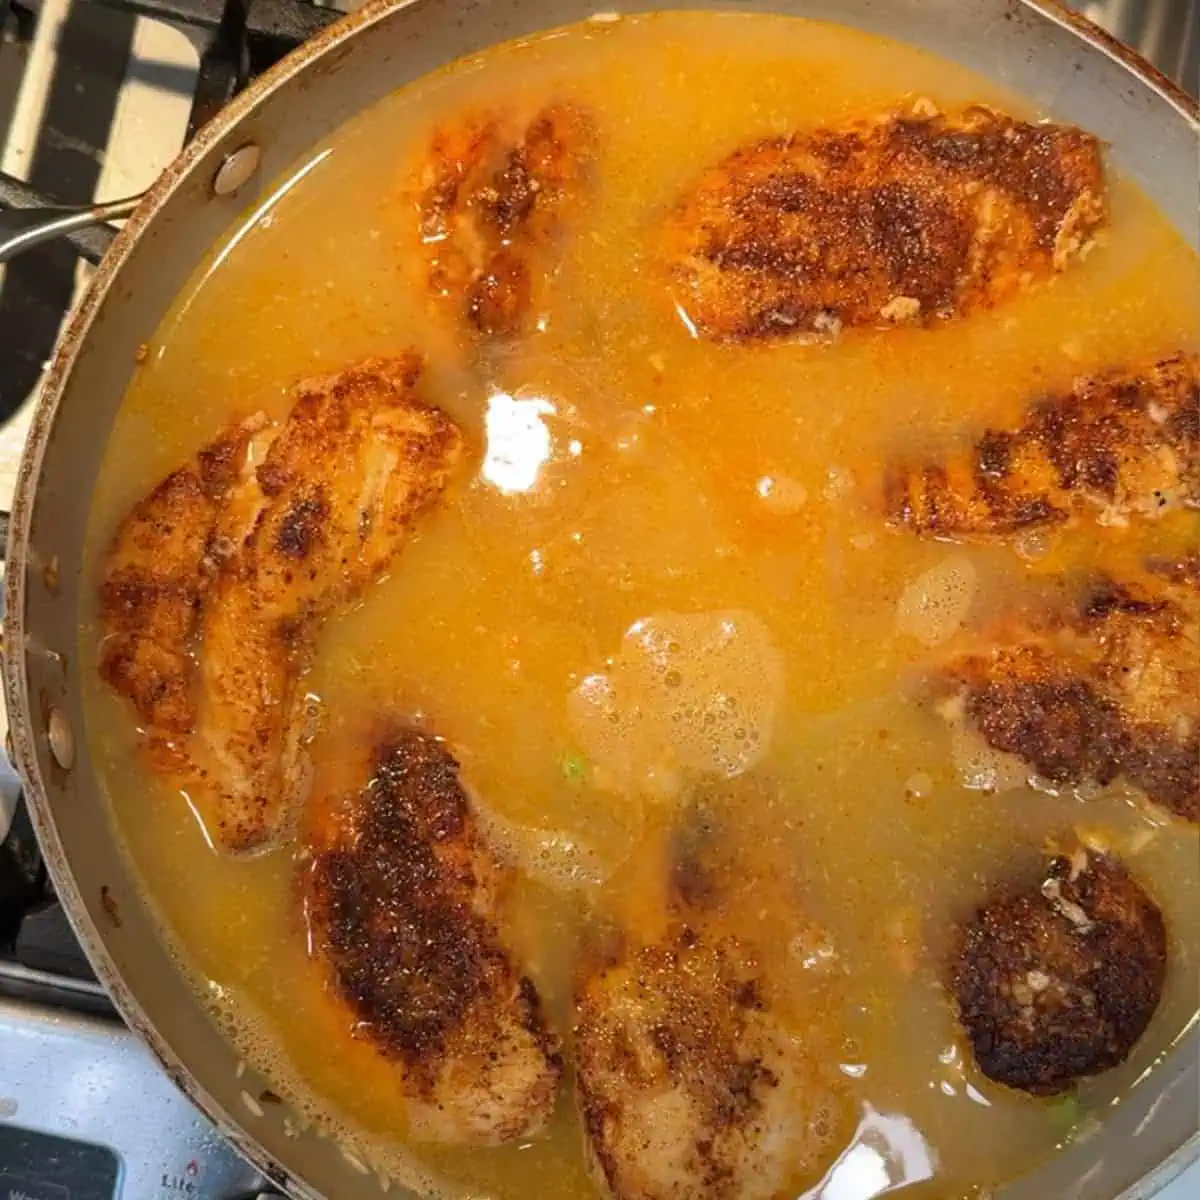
(94, 101)
(88, 1115)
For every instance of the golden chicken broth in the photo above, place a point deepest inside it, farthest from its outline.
(635, 490)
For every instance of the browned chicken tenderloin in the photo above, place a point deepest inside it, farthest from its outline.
(157, 576)
(493, 195)
(1116, 447)
(691, 1083)
(1108, 689)
(405, 904)
(279, 549)
(906, 218)
(1057, 982)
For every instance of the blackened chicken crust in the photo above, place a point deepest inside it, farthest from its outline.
(494, 191)
(405, 902)
(910, 217)
(1107, 688)
(1058, 981)
(1116, 447)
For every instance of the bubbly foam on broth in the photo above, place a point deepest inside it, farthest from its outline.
(558, 860)
(937, 603)
(656, 527)
(686, 692)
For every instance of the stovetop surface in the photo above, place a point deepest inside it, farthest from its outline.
(94, 1118)
(95, 100)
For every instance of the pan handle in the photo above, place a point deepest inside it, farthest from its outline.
(23, 228)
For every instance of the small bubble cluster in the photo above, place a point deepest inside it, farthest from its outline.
(555, 858)
(687, 693)
(934, 606)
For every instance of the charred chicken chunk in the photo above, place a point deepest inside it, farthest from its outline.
(909, 217)
(494, 192)
(1116, 447)
(1057, 981)
(405, 902)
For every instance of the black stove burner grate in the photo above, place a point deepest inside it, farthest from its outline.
(242, 38)
(248, 37)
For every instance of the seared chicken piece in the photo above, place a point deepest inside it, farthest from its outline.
(1058, 980)
(1110, 689)
(693, 1083)
(405, 904)
(493, 193)
(157, 576)
(690, 1087)
(358, 458)
(907, 218)
(274, 553)
(1116, 447)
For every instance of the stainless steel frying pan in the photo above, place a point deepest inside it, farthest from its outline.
(1063, 64)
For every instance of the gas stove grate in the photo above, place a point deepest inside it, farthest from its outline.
(94, 56)
(246, 37)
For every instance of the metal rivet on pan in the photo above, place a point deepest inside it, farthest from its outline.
(236, 169)
(62, 740)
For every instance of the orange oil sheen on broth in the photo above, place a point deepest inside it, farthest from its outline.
(626, 473)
